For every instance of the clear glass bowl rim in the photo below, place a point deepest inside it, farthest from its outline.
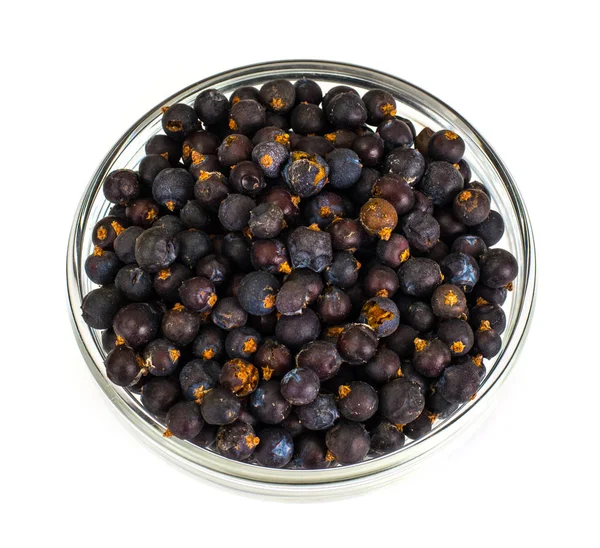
(304, 483)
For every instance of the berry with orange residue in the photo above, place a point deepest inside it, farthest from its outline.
(242, 342)
(270, 256)
(102, 266)
(459, 382)
(308, 91)
(122, 367)
(266, 221)
(457, 335)
(184, 420)
(471, 206)
(271, 157)
(380, 106)
(333, 305)
(179, 120)
(358, 401)
(239, 376)
(487, 341)
(305, 174)
(247, 117)
(357, 343)
(279, 95)
(380, 314)
(431, 357)
(499, 268)
(348, 442)
(379, 217)
(173, 187)
(180, 325)
(237, 441)
(446, 145)
(421, 426)
(257, 292)
(106, 230)
(448, 301)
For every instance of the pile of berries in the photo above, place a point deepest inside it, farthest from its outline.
(296, 279)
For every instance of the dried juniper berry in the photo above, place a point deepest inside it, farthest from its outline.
(471, 245)
(310, 452)
(448, 301)
(341, 138)
(122, 366)
(471, 206)
(291, 299)
(320, 414)
(279, 95)
(257, 293)
(386, 437)
(124, 244)
(457, 335)
(237, 441)
(242, 342)
(421, 426)
(450, 227)
(441, 182)
(179, 120)
(184, 421)
(273, 359)
(166, 282)
(307, 119)
(407, 371)
(220, 406)
(361, 191)
(106, 230)
(266, 221)
(272, 134)
(164, 146)
(180, 325)
(380, 106)
(267, 404)
(311, 144)
(487, 341)
(198, 294)
(236, 249)
(311, 280)
(401, 401)
(334, 91)
(228, 314)
(234, 211)
(459, 382)
(491, 230)
(134, 283)
(421, 317)
(431, 357)
(393, 252)
(308, 91)
(121, 186)
(321, 357)
(193, 215)
(305, 174)
(234, 149)
(271, 157)
(395, 190)
(419, 277)
(370, 149)
(383, 366)
(216, 268)
(490, 313)
(407, 163)
(209, 344)
(465, 171)
(276, 448)
(324, 208)
(395, 133)
(446, 145)
(283, 199)
(358, 401)
(142, 212)
(159, 394)
(345, 110)
(300, 386)
(150, 166)
(498, 268)
(380, 314)
(247, 178)
(239, 376)
(346, 234)
(102, 266)
(197, 378)
(247, 117)
(203, 163)
(357, 343)
(193, 245)
(296, 331)
(422, 231)
(310, 248)
(343, 270)
(423, 203)
(160, 357)
(348, 442)
(244, 92)
(155, 249)
(270, 256)
(477, 186)
(109, 340)
(333, 306)
(197, 145)
(482, 294)
(136, 324)
(438, 405)
(379, 217)
(170, 224)
(461, 270)
(211, 106)
(438, 252)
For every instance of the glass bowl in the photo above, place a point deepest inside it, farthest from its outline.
(424, 110)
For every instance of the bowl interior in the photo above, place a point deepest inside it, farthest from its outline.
(424, 110)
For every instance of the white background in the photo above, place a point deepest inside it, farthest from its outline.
(75, 76)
